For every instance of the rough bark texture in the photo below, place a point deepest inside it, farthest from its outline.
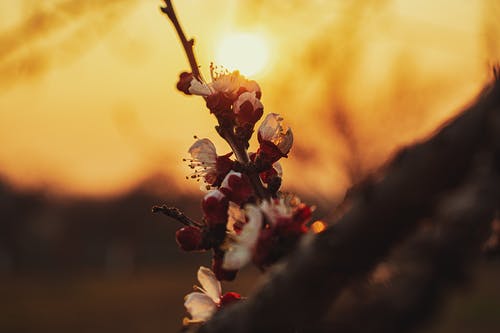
(383, 214)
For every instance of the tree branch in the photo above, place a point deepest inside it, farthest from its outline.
(176, 214)
(428, 265)
(186, 44)
(384, 213)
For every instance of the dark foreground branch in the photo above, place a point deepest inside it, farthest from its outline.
(382, 215)
(427, 266)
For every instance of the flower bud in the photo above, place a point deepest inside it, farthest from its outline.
(275, 139)
(268, 153)
(189, 238)
(229, 298)
(215, 205)
(184, 83)
(248, 109)
(236, 186)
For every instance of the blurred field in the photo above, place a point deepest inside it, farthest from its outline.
(143, 302)
(82, 265)
(151, 302)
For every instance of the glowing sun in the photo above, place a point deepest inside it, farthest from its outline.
(246, 52)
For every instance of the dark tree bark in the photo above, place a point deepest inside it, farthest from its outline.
(383, 214)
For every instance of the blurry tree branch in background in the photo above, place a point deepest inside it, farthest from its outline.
(297, 297)
(428, 264)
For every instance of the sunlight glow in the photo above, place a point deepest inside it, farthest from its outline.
(318, 226)
(246, 52)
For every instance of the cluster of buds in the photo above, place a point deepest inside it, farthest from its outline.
(246, 218)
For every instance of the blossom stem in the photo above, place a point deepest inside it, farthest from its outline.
(242, 156)
(186, 44)
(238, 148)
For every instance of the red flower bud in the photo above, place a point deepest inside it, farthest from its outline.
(215, 205)
(223, 164)
(229, 298)
(218, 104)
(184, 83)
(189, 238)
(248, 109)
(236, 186)
(268, 175)
(268, 153)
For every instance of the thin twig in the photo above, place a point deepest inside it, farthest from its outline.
(186, 44)
(238, 148)
(176, 214)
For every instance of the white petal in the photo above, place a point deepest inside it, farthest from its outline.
(278, 168)
(285, 141)
(270, 126)
(247, 97)
(225, 182)
(236, 257)
(235, 214)
(210, 284)
(198, 88)
(276, 209)
(218, 195)
(228, 84)
(250, 231)
(200, 306)
(204, 151)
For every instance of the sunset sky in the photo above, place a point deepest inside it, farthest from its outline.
(88, 104)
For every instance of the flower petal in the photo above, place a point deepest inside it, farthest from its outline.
(210, 284)
(269, 127)
(241, 250)
(278, 168)
(236, 218)
(274, 131)
(200, 306)
(204, 151)
(198, 88)
(250, 231)
(237, 256)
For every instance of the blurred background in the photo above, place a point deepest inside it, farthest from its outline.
(93, 132)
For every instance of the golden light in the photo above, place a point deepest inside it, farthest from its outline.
(318, 226)
(246, 52)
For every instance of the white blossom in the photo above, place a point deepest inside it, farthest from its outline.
(201, 305)
(274, 131)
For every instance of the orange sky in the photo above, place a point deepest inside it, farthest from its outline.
(88, 105)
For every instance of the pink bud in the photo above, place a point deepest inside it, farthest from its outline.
(248, 109)
(189, 238)
(236, 186)
(215, 205)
